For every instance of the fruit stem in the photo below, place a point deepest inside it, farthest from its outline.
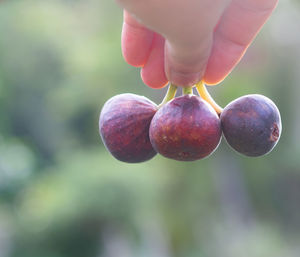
(187, 90)
(169, 95)
(201, 88)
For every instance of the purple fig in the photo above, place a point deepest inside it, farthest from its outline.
(186, 128)
(251, 125)
(124, 127)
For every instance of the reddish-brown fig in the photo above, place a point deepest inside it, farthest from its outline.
(124, 127)
(251, 125)
(186, 128)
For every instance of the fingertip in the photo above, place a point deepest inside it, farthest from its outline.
(215, 72)
(185, 66)
(153, 80)
(184, 79)
(212, 81)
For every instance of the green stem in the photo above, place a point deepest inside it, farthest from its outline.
(207, 97)
(169, 95)
(187, 90)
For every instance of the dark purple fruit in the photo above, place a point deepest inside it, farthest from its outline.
(251, 125)
(124, 127)
(185, 129)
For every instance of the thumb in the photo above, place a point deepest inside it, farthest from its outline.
(185, 65)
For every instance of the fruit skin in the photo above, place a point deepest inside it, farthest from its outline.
(251, 125)
(124, 127)
(185, 129)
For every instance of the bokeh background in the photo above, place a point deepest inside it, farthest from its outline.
(61, 192)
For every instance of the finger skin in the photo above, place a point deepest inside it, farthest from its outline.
(236, 30)
(187, 27)
(186, 68)
(153, 73)
(136, 41)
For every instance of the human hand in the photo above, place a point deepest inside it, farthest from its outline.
(187, 41)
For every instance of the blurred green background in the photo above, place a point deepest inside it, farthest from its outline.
(61, 192)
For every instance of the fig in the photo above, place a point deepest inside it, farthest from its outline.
(124, 127)
(251, 125)
(186, 128)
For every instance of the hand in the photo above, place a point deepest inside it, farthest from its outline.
(185, 41)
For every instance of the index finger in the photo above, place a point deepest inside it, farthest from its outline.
(237, 28)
